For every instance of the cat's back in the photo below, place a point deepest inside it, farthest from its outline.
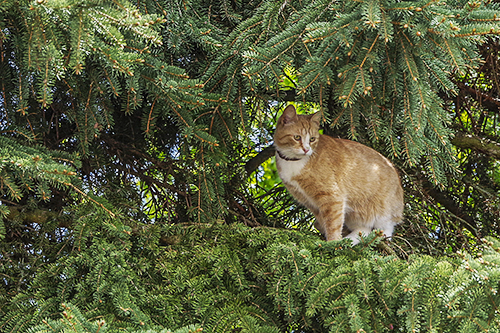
(343, 149)
(351, 161)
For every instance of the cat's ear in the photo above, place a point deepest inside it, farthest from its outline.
(316, 118)
(289, 116)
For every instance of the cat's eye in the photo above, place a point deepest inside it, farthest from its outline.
(296, 137)
(312, 139)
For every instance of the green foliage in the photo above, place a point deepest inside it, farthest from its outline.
(32, 171)
(126, 130)
(74, 320)
(167, 93)
(25, 169)
(386, 61)
(225, 278)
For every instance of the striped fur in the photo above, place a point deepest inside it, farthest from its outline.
(348, 186)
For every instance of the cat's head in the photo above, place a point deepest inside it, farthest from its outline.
(296, 136)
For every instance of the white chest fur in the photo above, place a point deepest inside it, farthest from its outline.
(289, 169)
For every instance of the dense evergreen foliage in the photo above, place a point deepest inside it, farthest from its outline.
(138, 192)
(239, 279)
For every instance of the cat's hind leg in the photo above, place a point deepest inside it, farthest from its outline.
(385, 224)
(356, 234)
(358, 227)
(318, 225)
(361, 228)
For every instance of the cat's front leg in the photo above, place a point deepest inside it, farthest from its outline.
(330, 219)
(318, 225)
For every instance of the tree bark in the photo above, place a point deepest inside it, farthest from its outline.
(258, 159)
(488, 101)
(488, 147)
(451, 205)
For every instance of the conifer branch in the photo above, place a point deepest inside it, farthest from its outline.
(113, 215)
(144, 134)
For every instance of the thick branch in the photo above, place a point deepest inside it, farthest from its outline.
(39, 216)
(447, 202)
(126, 153)
(489, 102)
(260, 158)
(488, 147)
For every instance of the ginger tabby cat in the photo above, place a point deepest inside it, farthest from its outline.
(344, 183)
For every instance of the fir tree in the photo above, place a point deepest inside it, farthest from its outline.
(136, 189)
(224, 279)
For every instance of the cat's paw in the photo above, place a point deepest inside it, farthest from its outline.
(356, 236)
(354, 241)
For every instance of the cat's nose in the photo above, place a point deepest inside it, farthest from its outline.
(306, 150)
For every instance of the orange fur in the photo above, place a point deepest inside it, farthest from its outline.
(344, 183)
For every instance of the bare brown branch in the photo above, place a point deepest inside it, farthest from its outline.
(486, 146)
